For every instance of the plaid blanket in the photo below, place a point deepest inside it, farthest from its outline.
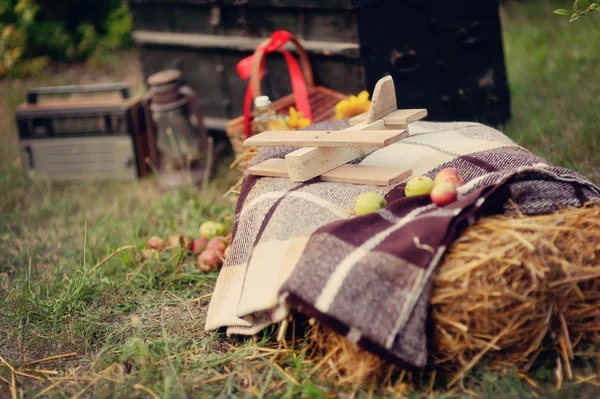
(369, 278)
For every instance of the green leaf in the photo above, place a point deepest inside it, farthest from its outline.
(584, 3)
(574, 17)
(575, 5)
(561, 11)
(594, 6)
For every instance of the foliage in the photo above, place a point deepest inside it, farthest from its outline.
(36, 31)
(581, 8)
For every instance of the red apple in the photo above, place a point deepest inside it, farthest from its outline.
(156, 242)
(443, 194)
(175, 241)
(208, 259)
(217, 244)
(198, 245)
(450, 175)
(204, 267)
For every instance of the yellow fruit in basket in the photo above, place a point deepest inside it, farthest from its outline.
(369, 202)
(296, 120)
(420, 185)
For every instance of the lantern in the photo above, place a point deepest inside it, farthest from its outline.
(179, 144)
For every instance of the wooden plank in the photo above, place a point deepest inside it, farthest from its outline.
(399, 118)
(335, 138)
(354, 174)
(271, 168)
(366, 174)
(77, 101)
(384, 99)
(359, 119)
(309, 162)
(238, 43)
(404, 116)
(377, 125)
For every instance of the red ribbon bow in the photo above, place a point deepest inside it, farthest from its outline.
(244, 69)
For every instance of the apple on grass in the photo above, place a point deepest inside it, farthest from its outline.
(211, 229)
(175, 241)
(209, 259)
(150, 253)
(156, 242)
(217, 244)
(197, 245)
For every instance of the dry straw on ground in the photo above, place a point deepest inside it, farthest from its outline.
(241, 163)
(508, 287)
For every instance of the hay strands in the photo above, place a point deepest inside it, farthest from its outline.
(26, 370)
(552, 289)
(503, 309)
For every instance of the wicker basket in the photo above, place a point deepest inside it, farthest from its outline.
(322, 100)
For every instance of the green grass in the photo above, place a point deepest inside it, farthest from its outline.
(555, 84)
(137, 326)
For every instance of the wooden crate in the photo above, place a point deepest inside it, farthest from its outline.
(444, 56)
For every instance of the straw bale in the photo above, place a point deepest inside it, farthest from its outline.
(508, 287)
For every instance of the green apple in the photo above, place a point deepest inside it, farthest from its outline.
(369, 202)
(211, 229)
(420, 185)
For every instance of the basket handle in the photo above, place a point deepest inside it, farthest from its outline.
(258, 63)
(252, 68)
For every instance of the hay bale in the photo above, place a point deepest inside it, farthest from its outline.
(507, 285)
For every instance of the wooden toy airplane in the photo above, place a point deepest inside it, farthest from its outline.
(325, 154)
